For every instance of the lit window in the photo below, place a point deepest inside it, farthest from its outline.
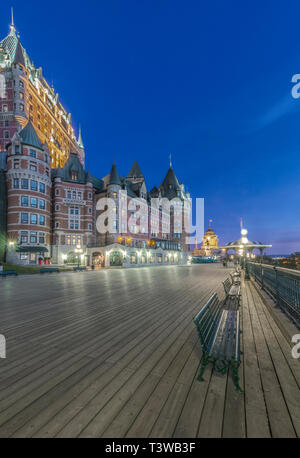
(42, 204)
(74, 175)
(33, 153)
(42, 220)
(42, 188)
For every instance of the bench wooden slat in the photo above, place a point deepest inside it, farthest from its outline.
(219, 335)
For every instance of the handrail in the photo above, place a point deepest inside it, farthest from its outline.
(270, 266)
(283, 285)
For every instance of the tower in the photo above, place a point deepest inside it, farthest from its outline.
(28, 96)
(28, 198)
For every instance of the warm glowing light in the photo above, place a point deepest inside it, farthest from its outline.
(244, 232)
(244, 240)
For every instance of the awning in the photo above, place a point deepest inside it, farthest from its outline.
(32, 249)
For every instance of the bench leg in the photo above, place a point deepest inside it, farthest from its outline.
(204, 363)
(236, 378)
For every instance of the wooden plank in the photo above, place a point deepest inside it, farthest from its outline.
(289, 385)
(279, 417)
(257, 422)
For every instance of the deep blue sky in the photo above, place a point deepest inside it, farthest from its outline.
(208, 81)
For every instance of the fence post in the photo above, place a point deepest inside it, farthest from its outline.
(276, 286)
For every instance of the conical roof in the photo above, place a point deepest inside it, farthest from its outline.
(80, 142)
(30, 137)
(171, 181)
(135, 171)
(114, 177)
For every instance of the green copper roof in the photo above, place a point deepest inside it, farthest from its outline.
(9, 44)
(80, 142)
(30, 137)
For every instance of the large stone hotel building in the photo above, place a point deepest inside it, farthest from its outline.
(50, 205)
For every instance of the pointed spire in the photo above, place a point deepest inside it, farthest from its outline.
(114, 177)
(135, 171)
(80, 142)
(171, 181)
(12, 25)
(170, 160)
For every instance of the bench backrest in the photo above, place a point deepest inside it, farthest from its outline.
(227, 284)
(206, 320)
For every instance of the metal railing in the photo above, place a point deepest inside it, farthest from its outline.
(283, 285)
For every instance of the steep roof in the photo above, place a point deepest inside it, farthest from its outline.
(19, 56)
(135, 171)
(30, 137)
(114, 177)
(171, 181)
(79, 141)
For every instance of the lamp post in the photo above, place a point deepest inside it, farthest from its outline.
(245, 241)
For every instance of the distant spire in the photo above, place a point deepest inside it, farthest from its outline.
(12, 25)
(241, 223)
(80, 142)
(170, 160)
(210, 222)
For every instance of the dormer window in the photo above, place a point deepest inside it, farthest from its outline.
(17, 149)
(74, 175)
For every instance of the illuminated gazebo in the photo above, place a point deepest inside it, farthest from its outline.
(244, 247)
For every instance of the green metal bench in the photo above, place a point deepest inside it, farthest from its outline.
(79, 268)
(5, 273)
(49, 270)
(219, 335)
(232, 292)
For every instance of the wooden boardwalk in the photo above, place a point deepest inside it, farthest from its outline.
(114, 353)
